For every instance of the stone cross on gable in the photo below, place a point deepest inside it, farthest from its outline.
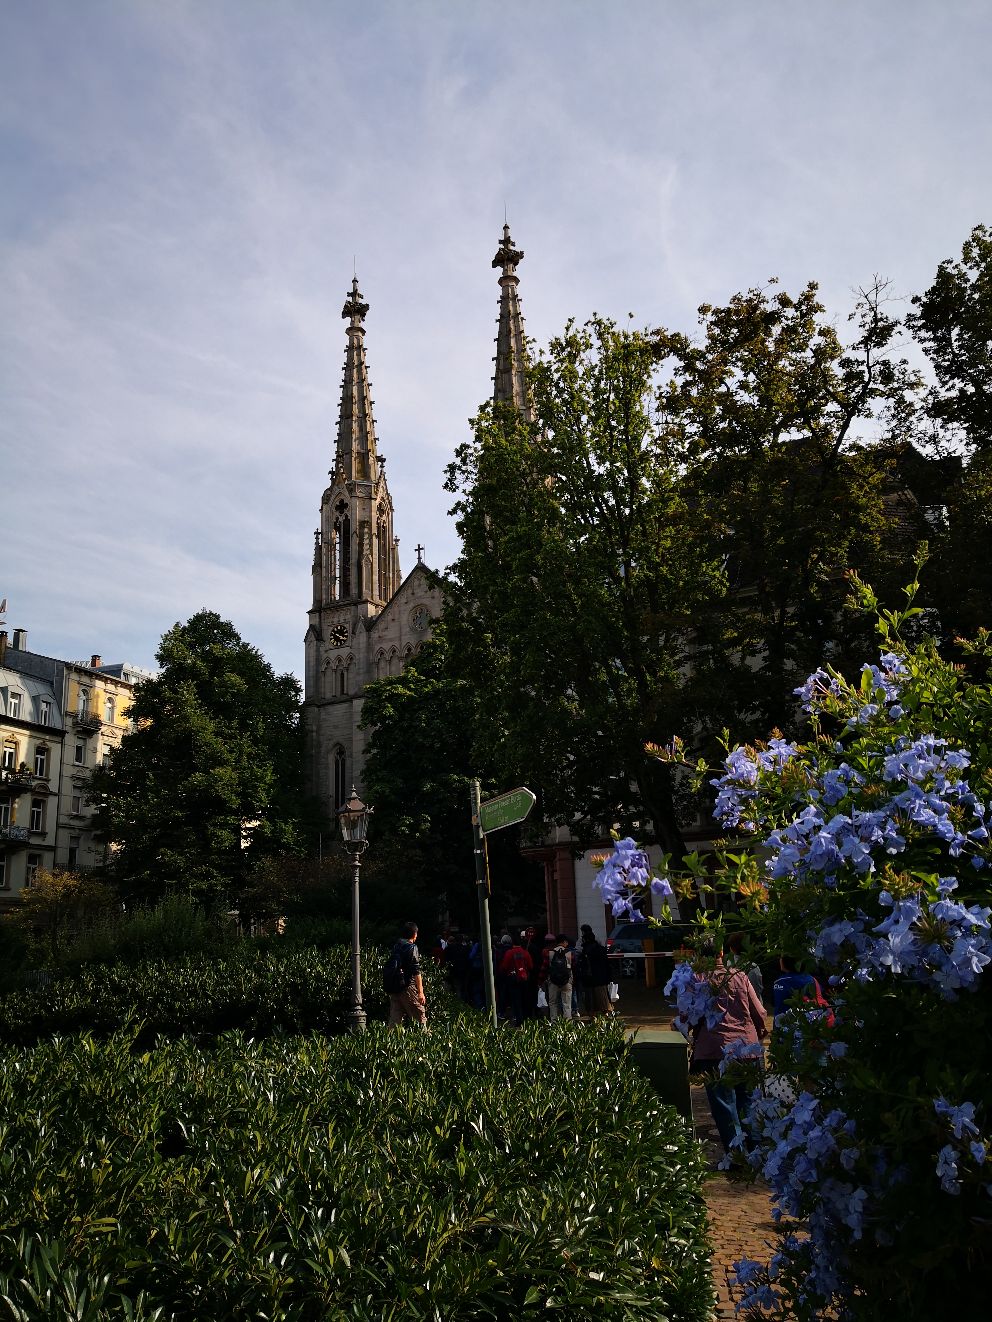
(420, 553)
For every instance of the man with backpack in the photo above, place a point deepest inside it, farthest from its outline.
(403, 982)
(556, 976)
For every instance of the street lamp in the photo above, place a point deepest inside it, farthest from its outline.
(354, 819)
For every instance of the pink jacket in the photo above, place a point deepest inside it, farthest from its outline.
(743, 1019)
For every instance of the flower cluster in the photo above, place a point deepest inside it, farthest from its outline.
(626, 872)
(737, 787)
(694, 998)
(969, 1144)
(881, 686)
(945, 944)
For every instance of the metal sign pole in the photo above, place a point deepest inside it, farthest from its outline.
(482, 886)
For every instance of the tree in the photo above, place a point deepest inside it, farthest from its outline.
(210, 778)
(572, 601)
(795, 448)
(422, 754)
(663, 549)
(953, 323)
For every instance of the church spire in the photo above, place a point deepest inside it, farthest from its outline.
(510, 381)
(356, 459)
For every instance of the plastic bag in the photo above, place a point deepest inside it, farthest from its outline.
(542, 1000)
(614, 991)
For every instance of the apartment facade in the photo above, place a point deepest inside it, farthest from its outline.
(59, 721)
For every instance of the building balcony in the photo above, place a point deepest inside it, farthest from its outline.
(14, 837)
(87, 722)
(16, 782)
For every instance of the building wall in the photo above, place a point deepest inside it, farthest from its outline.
(96, 712)
(351, 643)
(87, 716)
(31, 742)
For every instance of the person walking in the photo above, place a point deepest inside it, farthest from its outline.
(403, 981)
(557, 977)
(742, 1020)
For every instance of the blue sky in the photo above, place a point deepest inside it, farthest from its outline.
(184, 187)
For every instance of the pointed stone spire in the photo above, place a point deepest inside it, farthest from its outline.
(356, 459)
(510, 381)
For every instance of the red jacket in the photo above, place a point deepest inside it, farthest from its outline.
(517, 958)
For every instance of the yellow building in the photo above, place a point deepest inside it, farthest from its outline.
(59, 720)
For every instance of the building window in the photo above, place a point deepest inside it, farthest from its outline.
(342, 682)
(73, 851)
(44, 711)
(110, 710)
(3, 872)
(14, 704)
(79, 754)
(77, 804)
(4, 812)
(340, 778)
(33, 865)
(37, 815)
(41, 762)
(9, 756)
(106, 757)
(83, 707)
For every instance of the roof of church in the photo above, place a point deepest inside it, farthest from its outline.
(356, 456)
(510, 379)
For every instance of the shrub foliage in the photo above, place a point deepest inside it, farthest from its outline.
(470, 1174)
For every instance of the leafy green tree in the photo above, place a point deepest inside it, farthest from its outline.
(663, 549)
(572, 603)
(953, 323)
(423, 752)
(210, 778)
(795, 451)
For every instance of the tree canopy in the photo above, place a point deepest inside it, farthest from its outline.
(662, 550)
(209, 779)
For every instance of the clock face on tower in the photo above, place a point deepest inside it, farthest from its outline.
(339, 635)
(420, 618)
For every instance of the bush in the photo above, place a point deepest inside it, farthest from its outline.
(875, 859)
(259, 991)
(175, 926)
(468, 1174)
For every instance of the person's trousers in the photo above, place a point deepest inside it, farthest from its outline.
(516, 991)
(402, 1005)
(559, 1001)
(729, 1105)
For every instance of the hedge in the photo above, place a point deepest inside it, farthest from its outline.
(465, 1173)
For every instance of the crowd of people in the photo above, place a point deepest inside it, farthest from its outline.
(537, 975)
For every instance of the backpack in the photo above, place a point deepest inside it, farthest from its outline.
(559, 968)
(394, 975)
(518, 969)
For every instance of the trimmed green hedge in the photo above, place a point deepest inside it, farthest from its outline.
(466, 1174)
(259, 991)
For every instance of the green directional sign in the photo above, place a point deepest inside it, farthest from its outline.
(506, 810)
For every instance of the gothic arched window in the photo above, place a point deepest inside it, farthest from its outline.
(339, 767)
(341, 555)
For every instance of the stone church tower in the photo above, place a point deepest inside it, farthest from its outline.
(365, 621)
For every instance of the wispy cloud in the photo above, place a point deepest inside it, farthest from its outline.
(186, 186)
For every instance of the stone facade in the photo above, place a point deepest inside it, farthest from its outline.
(365, 620)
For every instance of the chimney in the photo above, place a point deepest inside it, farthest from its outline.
(20, 643)
(3, 644)
(95, 662)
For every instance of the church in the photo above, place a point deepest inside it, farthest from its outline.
(366, 620)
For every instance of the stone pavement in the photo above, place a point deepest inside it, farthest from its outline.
(739, 1212)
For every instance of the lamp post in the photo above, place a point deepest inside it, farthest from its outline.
(354, 819)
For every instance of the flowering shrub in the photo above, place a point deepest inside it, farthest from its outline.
(875, 869)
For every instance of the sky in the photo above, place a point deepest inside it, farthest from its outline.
(185, 187)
